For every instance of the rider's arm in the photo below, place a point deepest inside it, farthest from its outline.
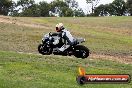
(68, 37)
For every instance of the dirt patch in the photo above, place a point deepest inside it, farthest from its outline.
(13, 20)
(125, 59)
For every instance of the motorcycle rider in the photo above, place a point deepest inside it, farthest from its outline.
(66, 35)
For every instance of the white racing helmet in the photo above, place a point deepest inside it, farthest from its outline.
(59, 27)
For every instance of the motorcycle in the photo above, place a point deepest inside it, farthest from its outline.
(47, 47)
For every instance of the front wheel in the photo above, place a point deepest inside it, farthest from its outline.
(42, 49)
(81, 51)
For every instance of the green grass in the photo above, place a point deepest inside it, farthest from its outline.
(36, 71)
(104, 35)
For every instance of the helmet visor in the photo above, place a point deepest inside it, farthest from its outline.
(57, 29)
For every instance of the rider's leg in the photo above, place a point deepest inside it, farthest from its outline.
(64, 47)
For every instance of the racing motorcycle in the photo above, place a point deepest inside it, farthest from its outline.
(47, 47)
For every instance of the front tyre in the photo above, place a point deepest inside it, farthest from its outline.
(42, 49)
(81, 52)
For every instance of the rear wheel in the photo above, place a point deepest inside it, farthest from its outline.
(44, 50)
(81, 51)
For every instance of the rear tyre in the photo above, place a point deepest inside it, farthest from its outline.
(81, 52)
